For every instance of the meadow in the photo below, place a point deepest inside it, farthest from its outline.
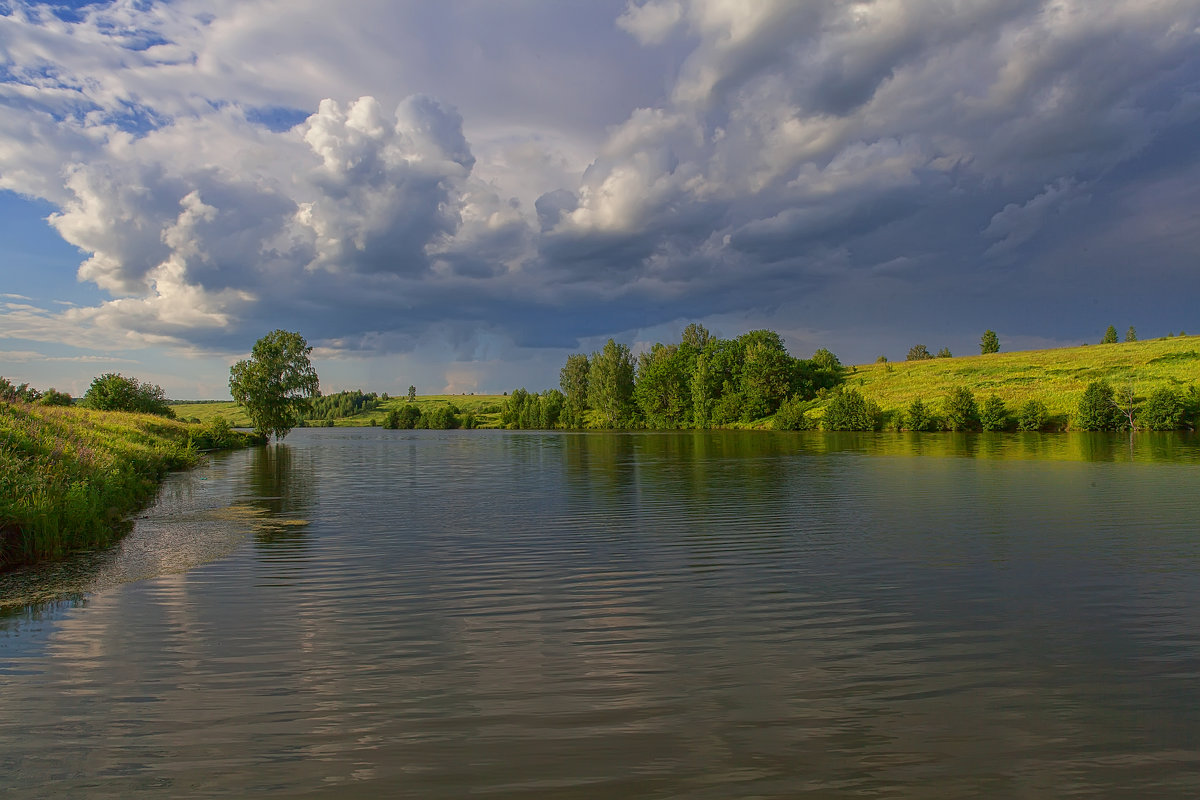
(1055, 377)
(485, 407)
(70, 476)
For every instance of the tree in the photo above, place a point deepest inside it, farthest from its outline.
(791, 416)
(918, 417)
(1097, 408)
(990, 343)
(610, 384)
(1032, 416)
(918, 352)
(275, 384)
(662, 390)
(696, 335)
(945, 353)
(1110, 336)
(412, 394)
(114, 392)
(960, 410)
(850, 411)
(1163, 411)
(993, 416)
(1131, 334)
(573, 380)
(1126, 402)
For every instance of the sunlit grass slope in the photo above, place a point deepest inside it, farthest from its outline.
(69, 476)
(1055, 377)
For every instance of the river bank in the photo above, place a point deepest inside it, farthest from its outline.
(69, 477)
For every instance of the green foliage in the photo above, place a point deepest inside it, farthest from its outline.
(442, 417)
(53, 397)
(530, 411)
(960, 411)
(848, 410)
(1097, 409)
(276, 383)
(919, 417)
(989, 343)
(881, 360)
(695, 336)
(1162, 411)
(412, 394)
(115, 392)
(826, 360)
(1110, 336)
(342, 404)
(945, 353)
(392, 420)
(610, 385)
(766, 373)
(1032, 416)
(573, 380)
(1131, 334)
(918, 352)
(791, 416)
(662, 388)
(993, 414)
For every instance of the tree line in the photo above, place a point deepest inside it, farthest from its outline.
(699, 382)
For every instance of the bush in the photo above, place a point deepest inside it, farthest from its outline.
(1097, 409)
(1032, 416)
(850, 411)
(114, 392)
(918, 352)
(919, 417)
(53, 397)
(945, 353)
(993, 416)
(960, 410)
(1163, 411)
(791, 416)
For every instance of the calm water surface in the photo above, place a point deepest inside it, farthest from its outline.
(365, 613)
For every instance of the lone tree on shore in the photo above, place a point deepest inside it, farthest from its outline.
(275, 383)
(990, 343)
(1110, 335)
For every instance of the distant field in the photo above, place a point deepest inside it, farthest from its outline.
(481, 404)
(1056, 377)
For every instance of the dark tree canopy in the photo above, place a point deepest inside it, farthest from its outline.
(1110, 336)
(990, 343)
(918, 352)
(275, 383)
(1098, 409)
(1131, 334)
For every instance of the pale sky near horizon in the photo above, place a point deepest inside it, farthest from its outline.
(459, 194)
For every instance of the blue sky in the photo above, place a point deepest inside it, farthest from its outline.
(459, 194)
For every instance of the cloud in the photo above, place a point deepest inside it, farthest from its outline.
(228, 168)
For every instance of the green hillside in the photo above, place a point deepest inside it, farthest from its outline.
(486, 408)
(1056, 377)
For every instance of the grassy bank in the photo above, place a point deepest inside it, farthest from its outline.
(1055, 377)
(70, 476)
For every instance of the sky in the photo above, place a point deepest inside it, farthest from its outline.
(457, 195)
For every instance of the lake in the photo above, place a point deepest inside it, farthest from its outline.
(366, 613)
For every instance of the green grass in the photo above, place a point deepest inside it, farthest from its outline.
(70, 476)
(1055, 377)
(481, 404)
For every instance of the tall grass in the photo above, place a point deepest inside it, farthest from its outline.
(70, 476)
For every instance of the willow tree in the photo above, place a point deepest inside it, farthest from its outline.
(275, 383)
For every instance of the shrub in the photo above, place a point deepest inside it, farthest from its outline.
(53, 397)
(114, 392)
(850, 411)
(881, 360)
(990, 343)
(1163, 411)
(791, 416)
(1097, 409)
(993, 416)
(1110, 336)
(918, 352)
(945, 353)
(960, 410)
(1032, 416)
(919, 417)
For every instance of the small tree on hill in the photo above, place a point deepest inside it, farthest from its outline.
(1131, 334)
(114, 392)
(1110, 336)
(412, 394)
(850, 411)
(945, 353)
(275, 383)
(990, 343)
(918, 352)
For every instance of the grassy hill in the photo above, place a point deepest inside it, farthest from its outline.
(1056, 377)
